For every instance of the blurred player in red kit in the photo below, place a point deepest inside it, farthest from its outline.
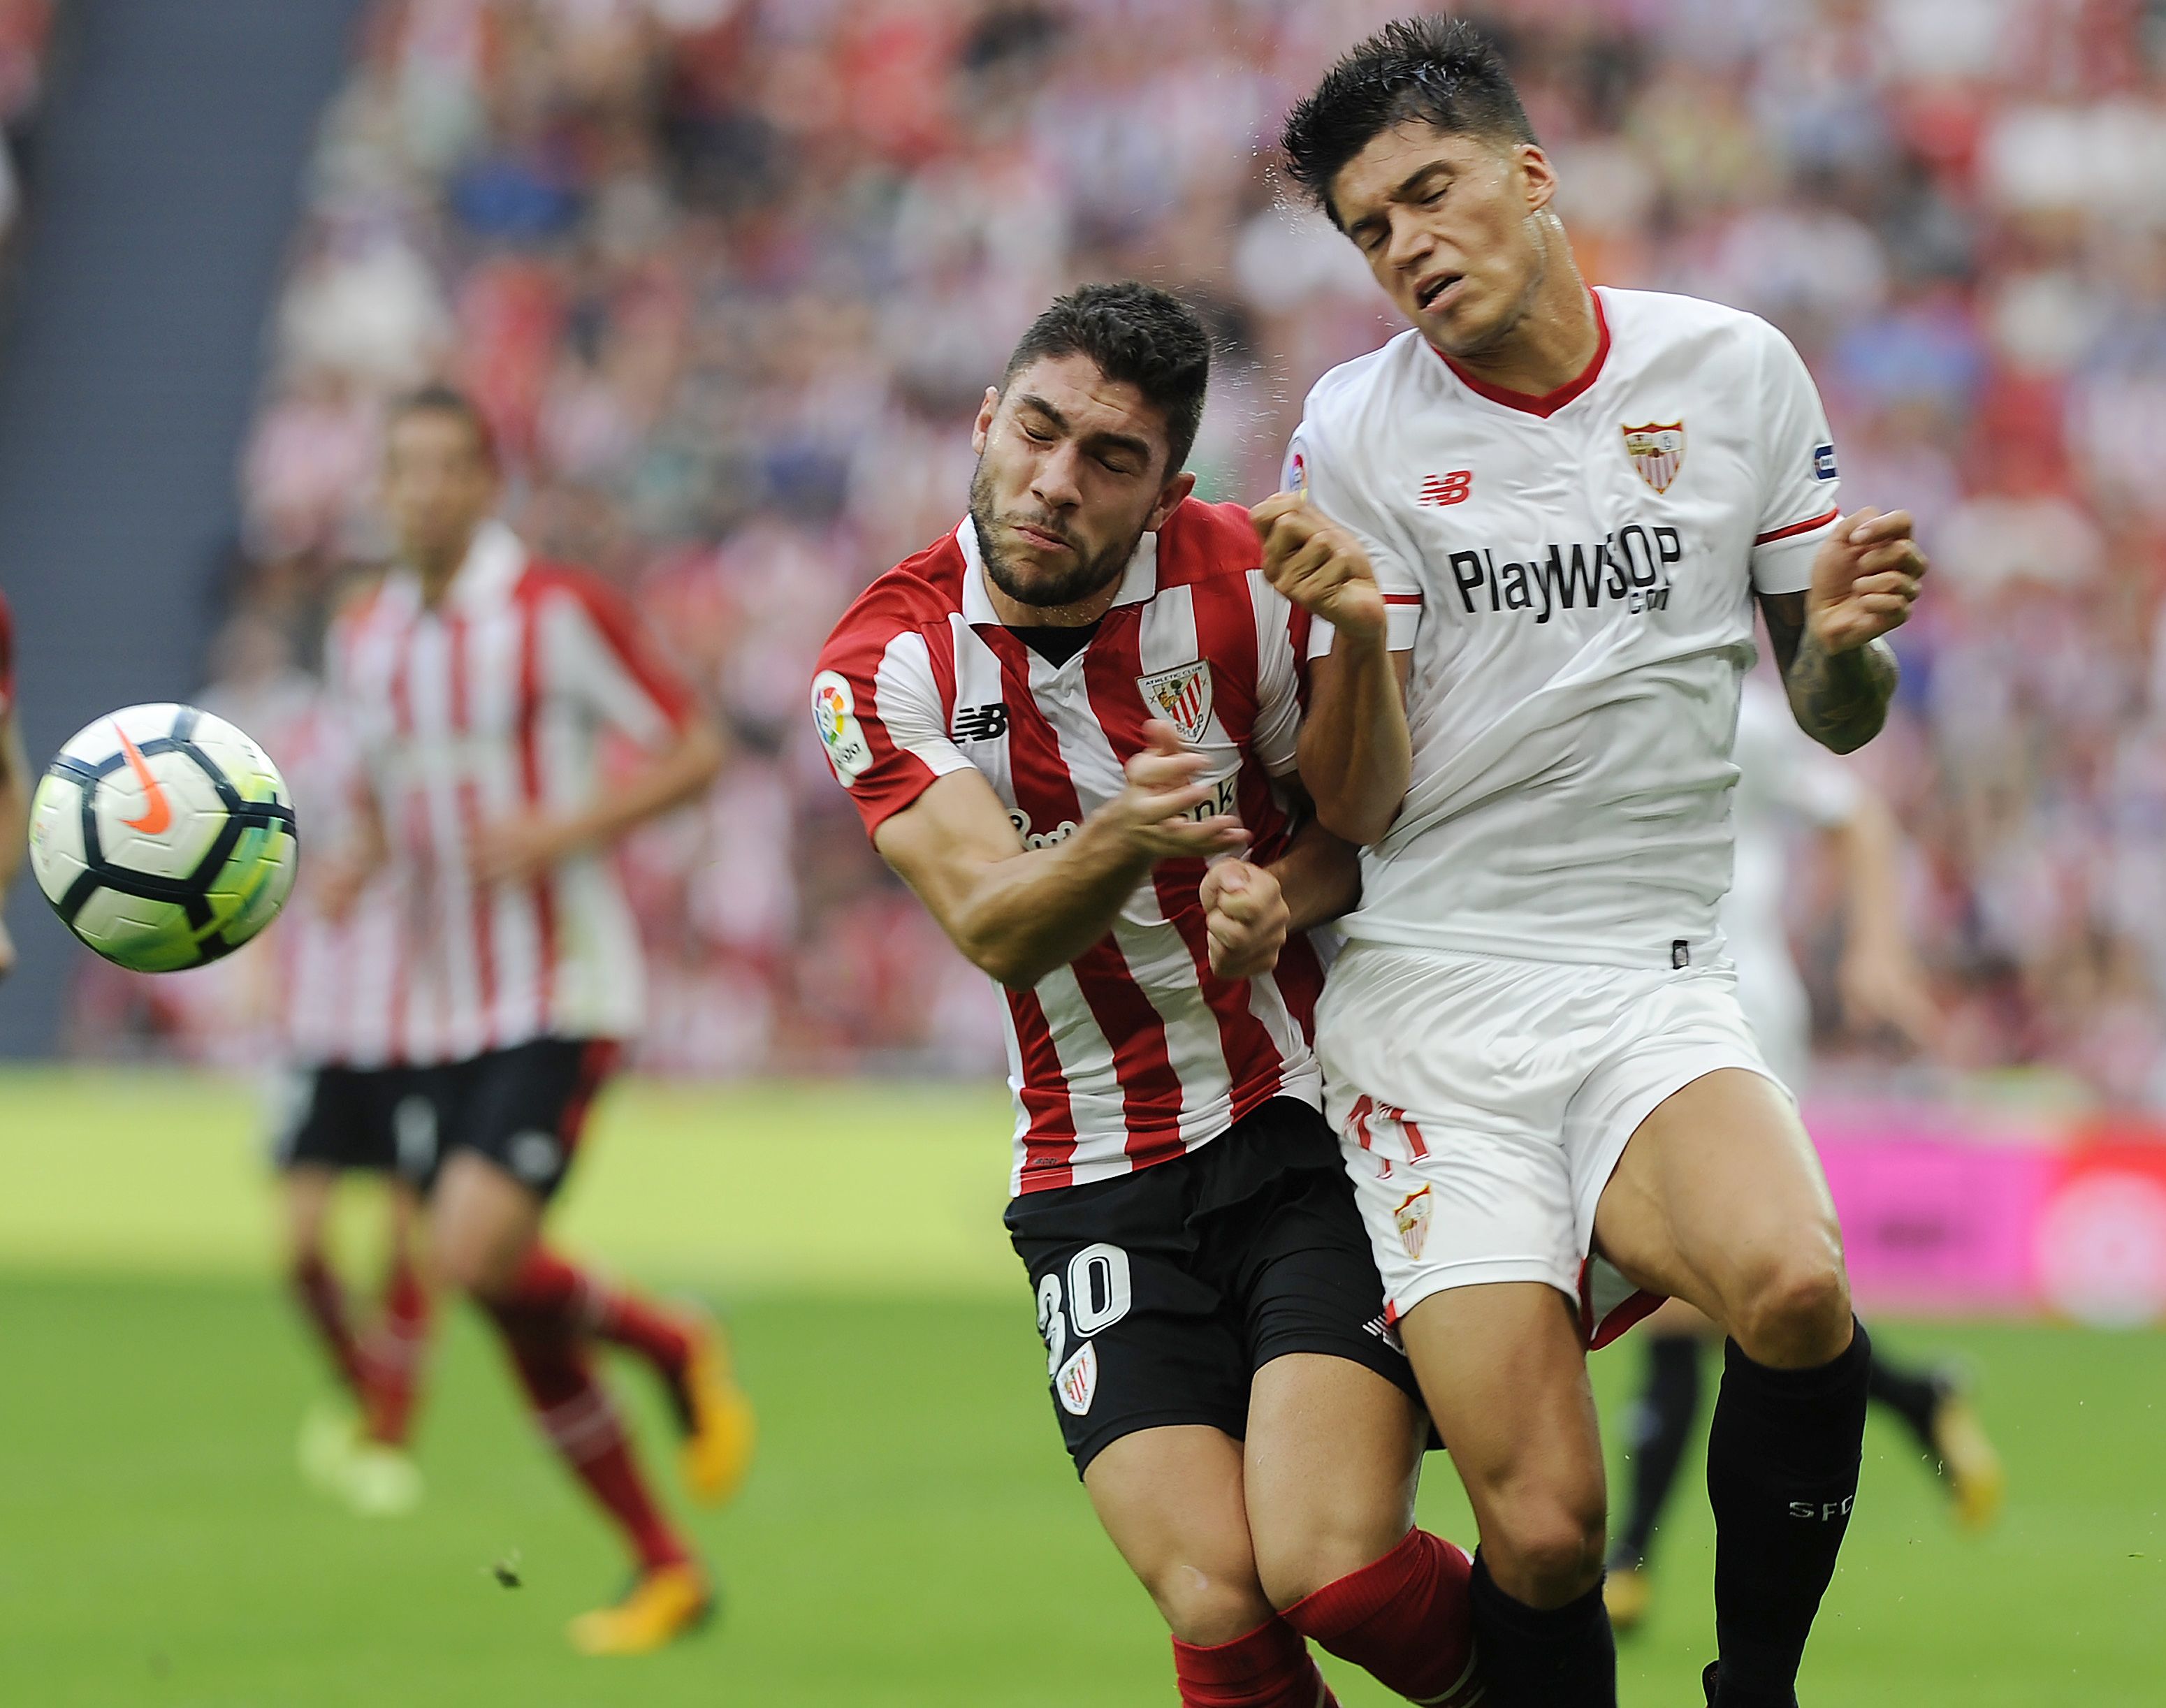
(479, 682)
(14, 782)
(1070, 726)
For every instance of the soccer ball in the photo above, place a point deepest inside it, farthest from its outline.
(163, 837)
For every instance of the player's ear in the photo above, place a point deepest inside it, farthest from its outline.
(982, 428)
(1538, 174)
(1168, 498)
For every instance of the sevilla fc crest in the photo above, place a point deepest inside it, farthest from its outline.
(1411, 1218)
(1181, 696)
(1657, 452)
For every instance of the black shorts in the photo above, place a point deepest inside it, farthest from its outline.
(1161, 1293)
(376, 1119)
(523, 1108)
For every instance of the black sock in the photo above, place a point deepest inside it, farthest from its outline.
(1536, 1658)
(1659, 1430)
(1912, 1395)
(1781, 1474)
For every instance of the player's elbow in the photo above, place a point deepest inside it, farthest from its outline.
(1356, 819)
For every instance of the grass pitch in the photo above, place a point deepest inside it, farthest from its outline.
(912, 1534)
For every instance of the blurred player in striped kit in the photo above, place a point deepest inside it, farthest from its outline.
(480, 683)
(1787, 780)
(351, 1106)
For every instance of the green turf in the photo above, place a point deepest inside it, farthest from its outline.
(912, 1536)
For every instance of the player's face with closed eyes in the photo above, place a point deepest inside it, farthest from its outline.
(1071, 473)
(1447, 223)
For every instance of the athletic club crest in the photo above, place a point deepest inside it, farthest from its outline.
(1077, 1384)
(1181, 696)
(1657, 452)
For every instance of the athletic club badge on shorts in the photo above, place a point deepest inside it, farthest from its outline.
(1181, 696)
(1077, 1384)
(1411, 1218)
(1657, 452)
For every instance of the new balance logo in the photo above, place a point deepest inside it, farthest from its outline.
(1453, 489)
(986, 723)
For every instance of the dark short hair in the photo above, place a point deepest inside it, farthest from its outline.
(1436, 70)
(1136, 334)
(439, 398)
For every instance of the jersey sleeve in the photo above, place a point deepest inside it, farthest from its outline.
(879, 711)
(616, 669)
(1311, 468)
(1798, 478)
(1281, 634)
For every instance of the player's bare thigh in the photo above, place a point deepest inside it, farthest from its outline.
(1330, 1468)
(1172, 1500)
(481, 1224)
(1223, 1533)
(1505, 1377)
(1719, 1200)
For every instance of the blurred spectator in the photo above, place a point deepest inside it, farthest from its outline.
(731, 275)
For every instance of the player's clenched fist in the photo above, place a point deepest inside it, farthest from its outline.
(1246, 916)
(1160, 811)
(1865, 580)
(1318, 565)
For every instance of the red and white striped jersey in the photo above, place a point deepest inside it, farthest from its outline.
(1135, 1053)
(344, 981)
(493, 706)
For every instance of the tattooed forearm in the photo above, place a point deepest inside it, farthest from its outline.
(1840, 699)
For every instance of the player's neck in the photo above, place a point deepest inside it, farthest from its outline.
(1551, 344)
(437, 570)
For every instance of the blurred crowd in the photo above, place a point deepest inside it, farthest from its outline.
(730, 276)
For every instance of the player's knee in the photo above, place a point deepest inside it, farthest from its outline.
(1546, 1549)
(1205, 1606)
(1794, 1310)
(1293, 1564)
(469, 1267)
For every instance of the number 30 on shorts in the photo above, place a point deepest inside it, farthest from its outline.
(1098, 1297)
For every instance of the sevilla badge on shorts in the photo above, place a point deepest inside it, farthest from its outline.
(1181, 696)
(1657, 452)
(1077, 1384)
(1411, 1217)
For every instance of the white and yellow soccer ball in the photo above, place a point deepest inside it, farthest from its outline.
(163, 837)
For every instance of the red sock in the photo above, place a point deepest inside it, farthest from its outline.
(396, 1353)
(1404, 1618)
(575, 1412)
(323, 1302)
(590, 1305)
(1270, 1667)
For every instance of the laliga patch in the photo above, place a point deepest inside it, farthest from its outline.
(1077, 1384)
(1657, 452)
(1181, 696)
(1411, 1218)
(833, 715)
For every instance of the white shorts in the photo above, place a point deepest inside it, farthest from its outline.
(1481, 1104)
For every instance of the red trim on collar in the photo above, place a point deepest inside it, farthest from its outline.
(1549, 402)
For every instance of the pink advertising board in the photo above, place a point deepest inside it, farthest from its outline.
(1945, 1211)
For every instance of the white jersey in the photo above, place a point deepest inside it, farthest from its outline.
(493, 706)
(1573, 574)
